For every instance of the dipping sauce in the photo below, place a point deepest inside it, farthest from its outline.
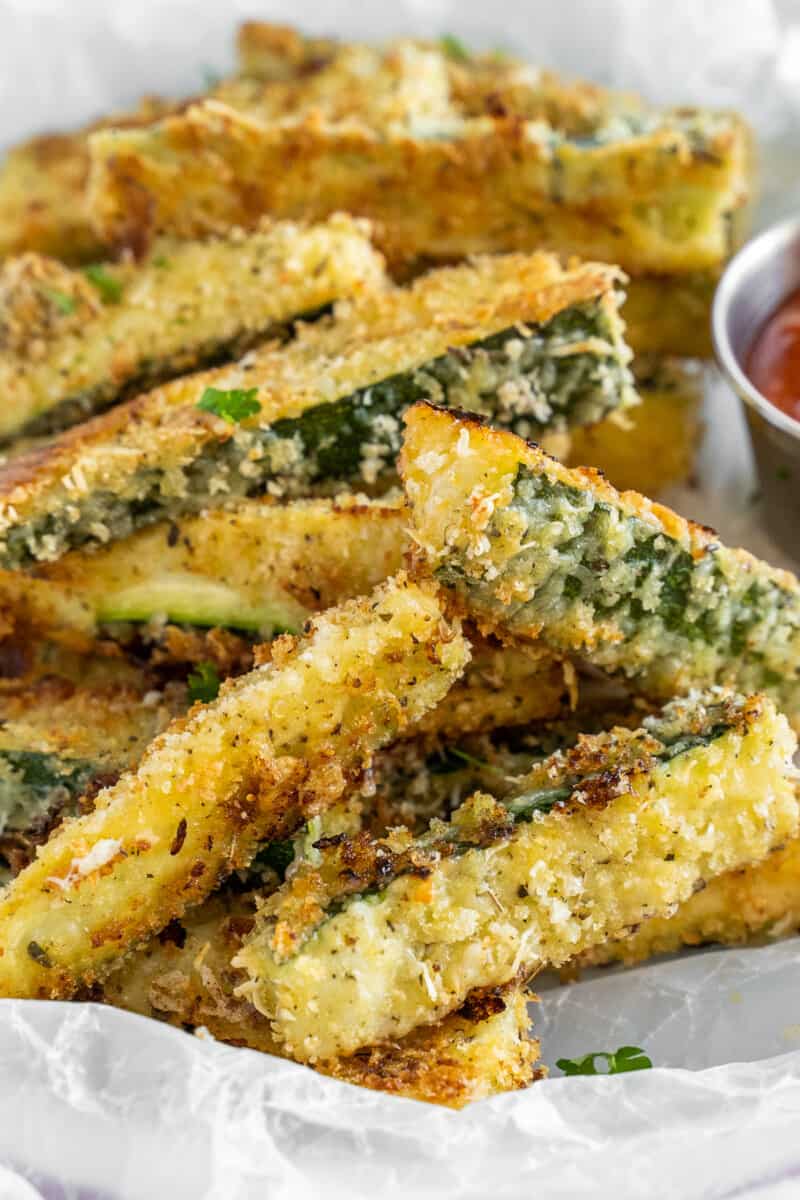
(773, 363)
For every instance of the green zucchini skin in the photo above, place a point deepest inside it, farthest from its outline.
(535, 549)
(521, 378)
(722, 620)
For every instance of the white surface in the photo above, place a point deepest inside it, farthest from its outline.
(131, 1110)
(124, 1109)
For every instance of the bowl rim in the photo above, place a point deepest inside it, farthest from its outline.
(781, 234)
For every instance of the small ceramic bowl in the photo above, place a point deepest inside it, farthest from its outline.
(756, 281)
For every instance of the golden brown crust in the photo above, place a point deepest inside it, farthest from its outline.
(380, 335)
(185, 976)
(270, 52)
(655, 443)
(433, 1064)
(274, 748)
(758, 902)
(42, 185)
(503, 449)
(212, 167)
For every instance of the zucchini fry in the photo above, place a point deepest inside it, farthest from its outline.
(43, 181)
(276, 747)
(387, 935)
(516, 338)
(655, 445)
(532, 548)
(664, 314)
(258, 566)
(185, 977)
(59, 742)
(670, 314)
(656, 192)
(74, 343)
(504, 685)
(478, 84)
(271, 52)
(42, 190)
(760, 902)
(252, 572)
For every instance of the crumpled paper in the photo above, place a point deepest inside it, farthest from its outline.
(101, 1105)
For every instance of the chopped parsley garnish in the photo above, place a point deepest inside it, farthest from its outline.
(233, 405)
(161, 260)
(63, 302)
(203, 683)
(109, 288)
(454, 48)
(627, 1058)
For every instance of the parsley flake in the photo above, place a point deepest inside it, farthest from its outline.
(627, 1058)
(110, 289)
(453, 48)
(63, 302)
(203, 683)
(233, 405)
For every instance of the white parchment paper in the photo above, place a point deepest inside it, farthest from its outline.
(101, 1105)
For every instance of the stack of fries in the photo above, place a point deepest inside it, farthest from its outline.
(333, 707)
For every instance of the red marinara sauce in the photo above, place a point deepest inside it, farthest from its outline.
(773, 363)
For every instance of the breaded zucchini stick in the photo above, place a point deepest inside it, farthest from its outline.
(391, 934)
(263, 568)
(671, 314)
(516, 338)
(664, 314)
(58, 742)
(185, 977)
(73, 343)
(42, 189)
(251, 572)
(537, 550)
(43, 181)
(275, 747)
(477, 83)
(258, 566)
(656, 192)
(759, 902)
(656, 443)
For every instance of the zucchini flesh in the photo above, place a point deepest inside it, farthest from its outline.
(540, 550)
(592, 842)
(760, 902)
(192, 601)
